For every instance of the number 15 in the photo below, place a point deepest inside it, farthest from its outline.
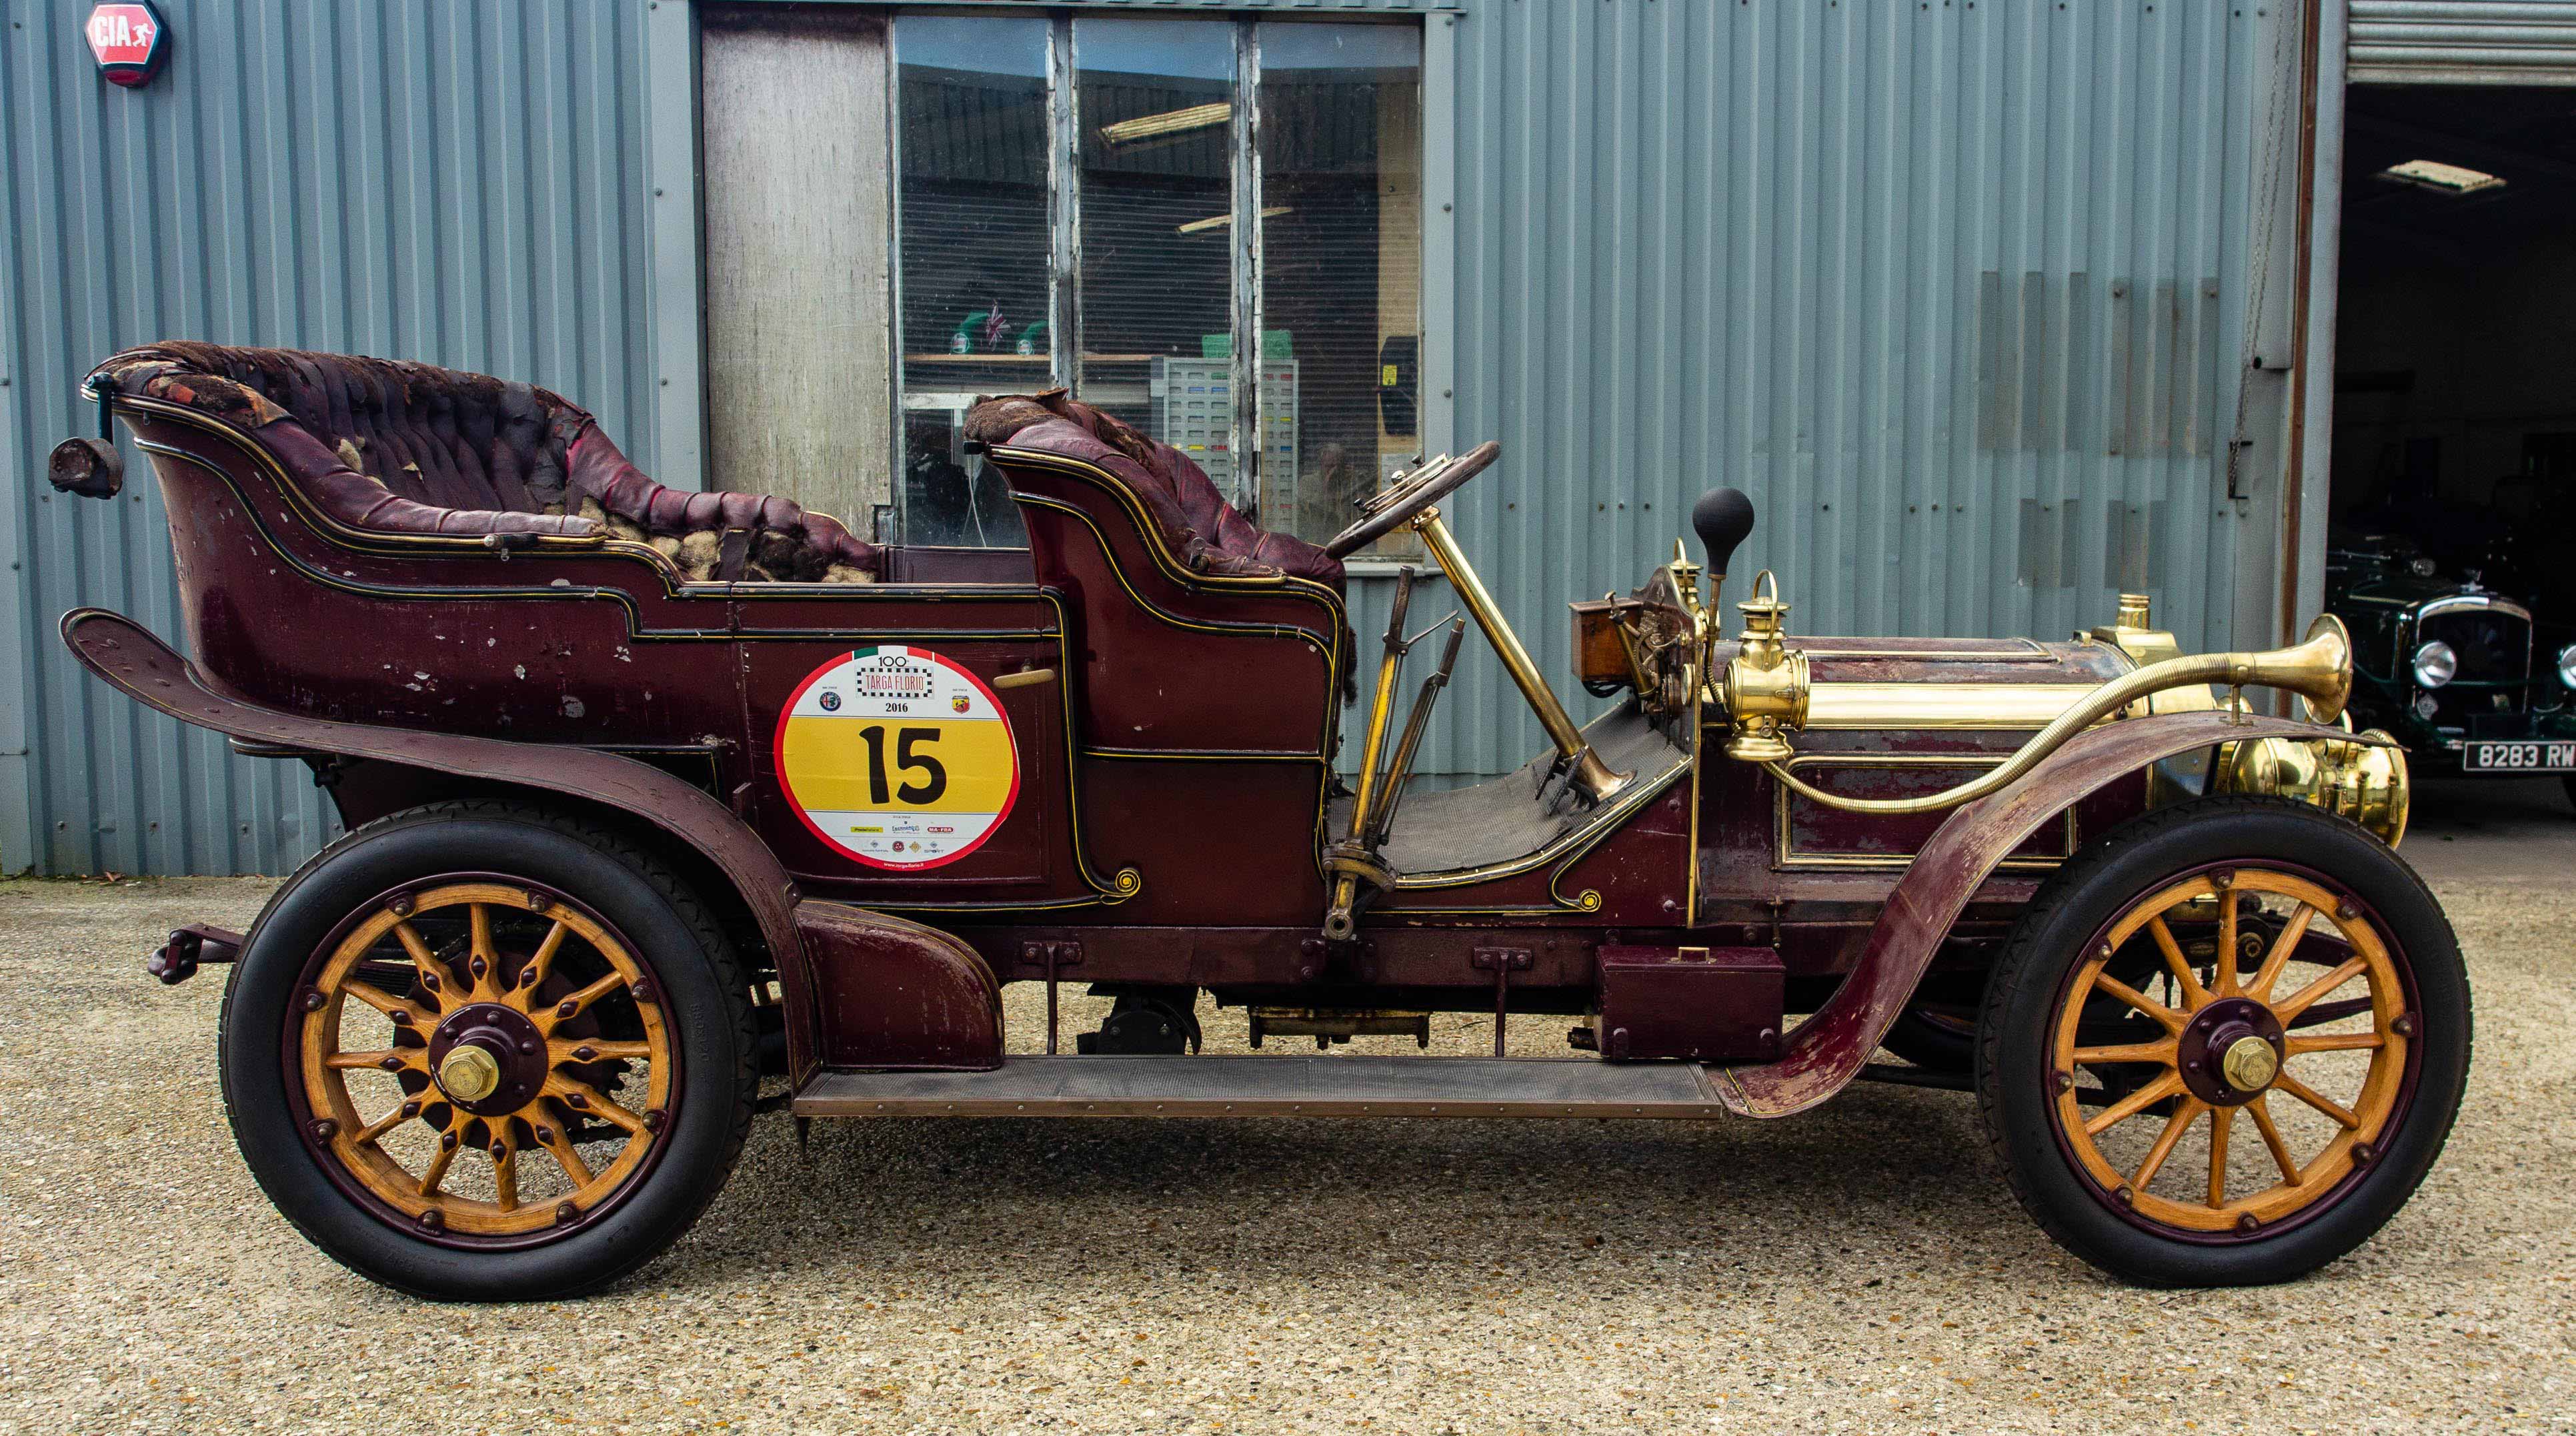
(934, 780)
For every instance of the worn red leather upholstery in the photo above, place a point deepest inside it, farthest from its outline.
(440, 451)
(1196, 521)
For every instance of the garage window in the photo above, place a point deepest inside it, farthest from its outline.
(1209, 227)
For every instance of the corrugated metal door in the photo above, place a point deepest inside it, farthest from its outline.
(2462, 42)
(456, 183)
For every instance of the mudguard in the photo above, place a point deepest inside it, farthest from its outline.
(944, 971)
(893, 994)
(1829, 1049)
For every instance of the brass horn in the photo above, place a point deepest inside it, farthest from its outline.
(2318, 669)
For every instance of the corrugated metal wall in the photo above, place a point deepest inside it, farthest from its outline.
(2462, 42)
(461, 183)
(1956, 290)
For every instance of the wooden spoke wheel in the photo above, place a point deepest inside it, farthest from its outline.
(501, 1023)
(2224, 1045)
(2275, 989)
(484, 1051)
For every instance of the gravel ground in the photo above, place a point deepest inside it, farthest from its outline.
(1862, 1268)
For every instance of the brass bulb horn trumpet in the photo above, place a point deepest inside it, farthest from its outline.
(2319, 670)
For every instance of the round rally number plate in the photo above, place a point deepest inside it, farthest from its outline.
(897, 758)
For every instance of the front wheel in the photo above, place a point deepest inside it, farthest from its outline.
(2223, 1047)
(482, 1051)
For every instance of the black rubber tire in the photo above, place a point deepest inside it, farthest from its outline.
(2569, 782)
(704, 996)
(2013, 1043)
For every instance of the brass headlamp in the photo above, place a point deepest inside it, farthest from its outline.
(2364, 779)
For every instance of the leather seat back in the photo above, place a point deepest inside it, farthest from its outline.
(1196, 523)
(399, 447)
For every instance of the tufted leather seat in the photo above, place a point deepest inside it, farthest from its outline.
(404, 448)
(1196, 521)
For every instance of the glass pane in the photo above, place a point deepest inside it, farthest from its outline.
(972, 101)
(1156, 110)
(1341, 214)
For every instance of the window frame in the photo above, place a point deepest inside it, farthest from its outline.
(1246, 244)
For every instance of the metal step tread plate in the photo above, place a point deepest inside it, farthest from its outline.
(1260, 1086)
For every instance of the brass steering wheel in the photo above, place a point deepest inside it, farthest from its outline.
(1390, 509)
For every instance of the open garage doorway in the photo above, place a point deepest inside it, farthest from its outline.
(2455, 343)
(2451, 550)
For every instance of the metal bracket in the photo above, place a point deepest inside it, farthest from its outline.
(175, 961)
(1051, 956)
(1313, 954)
(1502, 962)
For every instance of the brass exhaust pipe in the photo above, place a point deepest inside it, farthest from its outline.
(2319, 670)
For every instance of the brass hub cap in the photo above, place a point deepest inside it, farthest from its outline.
(2229, 1051)
(485, 1060)
(2316, 1014)
(2249, 1064)
(469, 1074)
(489, 1057)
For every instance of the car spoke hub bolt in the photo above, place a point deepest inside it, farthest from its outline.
(469, 1074)
(2250, 1064)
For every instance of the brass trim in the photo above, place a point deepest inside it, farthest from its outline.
(2319, 670)
(1786, 855)
(1025, 678)
(1696, 758)
(2032, 651)
(1939, 705)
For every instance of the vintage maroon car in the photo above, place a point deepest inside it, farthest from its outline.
(652, 793)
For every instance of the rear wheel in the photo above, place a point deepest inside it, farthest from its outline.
(480, 1051)
(2224, 1046)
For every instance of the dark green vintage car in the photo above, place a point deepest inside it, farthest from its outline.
(2456, 671)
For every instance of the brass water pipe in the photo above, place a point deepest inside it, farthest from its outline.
(2319, 670)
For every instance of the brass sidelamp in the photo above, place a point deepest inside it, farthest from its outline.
(1765, 688)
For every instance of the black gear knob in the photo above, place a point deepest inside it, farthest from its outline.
(1722, 518)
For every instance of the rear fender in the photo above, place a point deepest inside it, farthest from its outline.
(903, 959)
(1829, 1049)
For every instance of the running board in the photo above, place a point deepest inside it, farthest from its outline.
(1257, 1086)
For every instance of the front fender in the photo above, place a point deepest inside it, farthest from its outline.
(1829, 1049)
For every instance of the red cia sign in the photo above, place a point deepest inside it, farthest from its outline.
(129, 40)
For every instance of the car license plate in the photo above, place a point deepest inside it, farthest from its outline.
(2529, 757)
